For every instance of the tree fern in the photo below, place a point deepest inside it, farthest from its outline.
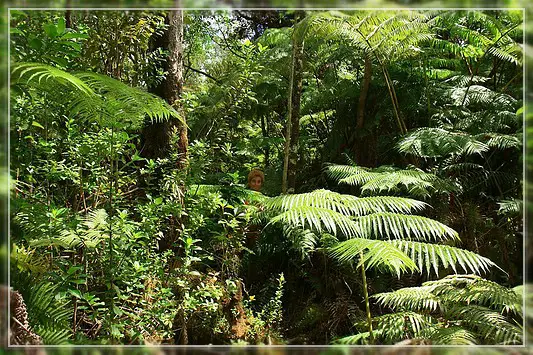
(93, 96)
(388, 179)
(476, 310)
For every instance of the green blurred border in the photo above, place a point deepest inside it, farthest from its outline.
(528, 165)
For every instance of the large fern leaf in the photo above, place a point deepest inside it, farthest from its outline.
(431, 256)
(376, 254)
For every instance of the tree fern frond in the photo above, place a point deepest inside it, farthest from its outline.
(402, 325)
(387, 225)
(415, 181)
(437, 142)
(303, 240)
(376, 253)
(430, 256)
(510, 207)
(357, 339)
(472, 289)
(318, 219)
(129, 101)
(35, 73)
(94, 96)
(491, 325)
(346, 204)
(366, 205)
(419, 299)
(453, 335)
(501, 141)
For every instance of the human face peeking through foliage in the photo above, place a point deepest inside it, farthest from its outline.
(255, 180)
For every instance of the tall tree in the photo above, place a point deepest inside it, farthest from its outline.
(292, 132)
(156, 137)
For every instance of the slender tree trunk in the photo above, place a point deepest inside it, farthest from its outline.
(293, 120)
(360, 148)
(367, 77)
(68, 15)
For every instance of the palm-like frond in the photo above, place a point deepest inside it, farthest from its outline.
(453, 335)
(376, 254)
(474, 289)
(346, 204)
(387, 225)
(489, 324)
(94, 228)
(318, 219)
(437, 142)
(94, 96)
(468, 304)
(415, 181)
(49, 316)
(419, 299)
(357, 339)
(432, 256)
(510, 207)
(28, 260)
(402, 325)
(37, 74)
(303, 240)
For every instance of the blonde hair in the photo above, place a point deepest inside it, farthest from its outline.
(254, 173)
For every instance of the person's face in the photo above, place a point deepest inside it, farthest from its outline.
(255, 183)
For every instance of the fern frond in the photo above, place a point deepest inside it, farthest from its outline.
(376, 253)
(398, 226)
(510, 207)
(357, 339)
(437, 142)
(419, 299)
(41, 74)
(346, 204)
(490, 324)
(402, 325)
(303, 240)
(28, 260)
(432, 256)
(472, 289)
(453, 335)
(128, 101)
(318, 219)
(94, 96)
(415, 181)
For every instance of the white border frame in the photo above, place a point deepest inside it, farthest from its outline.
(214, 347)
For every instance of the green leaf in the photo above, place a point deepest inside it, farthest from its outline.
(37, 124)
(51, 30)
(35, 43)
(61, 25)
(75, 293)
(74, 35)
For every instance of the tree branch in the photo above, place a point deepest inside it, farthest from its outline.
(201, 72)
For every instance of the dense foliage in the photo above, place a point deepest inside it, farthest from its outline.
(403, 220)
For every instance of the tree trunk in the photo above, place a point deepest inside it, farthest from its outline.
(361, 149)
(156, 136)
(292, 132)
(68, 15)
(367, 77)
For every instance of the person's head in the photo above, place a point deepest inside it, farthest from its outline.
(256, 179)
